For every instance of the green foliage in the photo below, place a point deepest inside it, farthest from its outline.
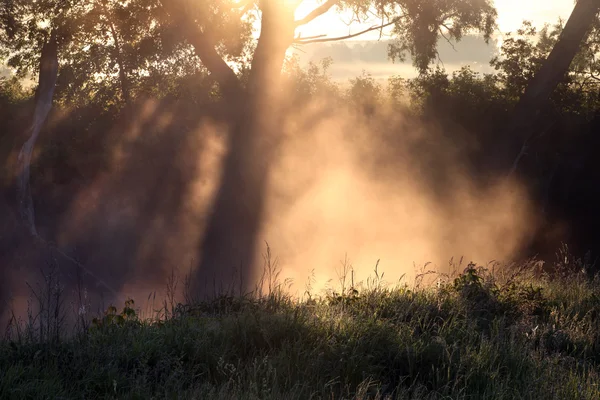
(111, 319)
(12, 91)
(522, 54)
(520, 58)
(112, 50)
(397, 90)
(365, 92)
(465, 98)
(310, 81)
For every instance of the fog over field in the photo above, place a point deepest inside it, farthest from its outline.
(351, 58)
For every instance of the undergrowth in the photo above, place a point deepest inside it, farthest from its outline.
(483, 333)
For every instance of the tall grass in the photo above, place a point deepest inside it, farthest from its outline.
(481, 333)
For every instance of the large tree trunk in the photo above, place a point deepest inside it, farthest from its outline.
(43, 104)
(535, 99)
(230, 239)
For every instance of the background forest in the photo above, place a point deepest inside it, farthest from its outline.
(143, 136)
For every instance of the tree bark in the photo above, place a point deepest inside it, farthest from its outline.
(228, 250)
(43, 104)
(535, 99)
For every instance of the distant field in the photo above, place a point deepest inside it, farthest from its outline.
(381, 72)
(352, 57)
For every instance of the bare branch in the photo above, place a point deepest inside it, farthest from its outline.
(384, 15)
(317, 12)
(446, 37)
(307, 38)
(323, 38)
(588, 74)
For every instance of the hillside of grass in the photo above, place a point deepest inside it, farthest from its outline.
(483, 333)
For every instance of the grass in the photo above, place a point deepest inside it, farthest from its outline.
(479, 334)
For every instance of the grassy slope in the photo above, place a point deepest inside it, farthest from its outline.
(477, 336)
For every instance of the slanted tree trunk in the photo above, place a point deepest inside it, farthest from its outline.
(230, 239)
(535, 99)
(43, 104)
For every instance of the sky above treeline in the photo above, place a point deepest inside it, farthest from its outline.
(365, 53)
(511, 13)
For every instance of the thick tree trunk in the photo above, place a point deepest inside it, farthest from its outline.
(43, 104)
(230, 239)
(537, 94)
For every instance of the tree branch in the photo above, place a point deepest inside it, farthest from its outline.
(323, 39)
(205, 48)
(445, 37)
(317, 12)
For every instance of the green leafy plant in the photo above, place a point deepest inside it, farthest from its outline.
(111, 318)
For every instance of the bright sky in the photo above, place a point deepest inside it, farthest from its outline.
(510, 15)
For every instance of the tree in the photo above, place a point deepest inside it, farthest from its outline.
(232, 228)
(520, 58)
(551, 73)
(110, 50)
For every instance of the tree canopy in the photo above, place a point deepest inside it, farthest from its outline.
(114, 49)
